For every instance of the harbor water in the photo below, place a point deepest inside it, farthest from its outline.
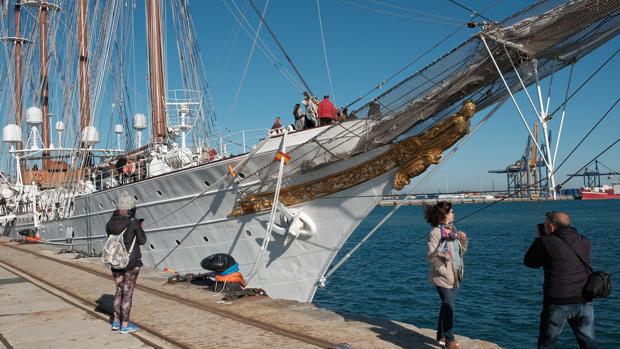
(500, 299)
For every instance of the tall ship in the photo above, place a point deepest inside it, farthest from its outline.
(282, 202)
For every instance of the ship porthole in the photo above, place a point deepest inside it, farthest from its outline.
(159, 193)
(113, 203)
(93, 250)
(248, 233)
(152, 247)
(101, 205)
(84, 209)
(207, 183)
(177, 242)
(135, 197)
(241, 175)
(206, 239)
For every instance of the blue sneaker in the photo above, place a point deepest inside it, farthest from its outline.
(131, 327)
(116, 325)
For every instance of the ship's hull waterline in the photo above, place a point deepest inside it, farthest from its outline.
(183, 227)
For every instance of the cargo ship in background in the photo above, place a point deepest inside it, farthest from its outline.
(592, 188)
(601, 193)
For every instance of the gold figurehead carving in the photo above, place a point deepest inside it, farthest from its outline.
(411, 156)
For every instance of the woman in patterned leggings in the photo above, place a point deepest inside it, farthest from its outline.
(123, 219)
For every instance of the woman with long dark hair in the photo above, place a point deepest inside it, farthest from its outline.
(123, 221)
(446, 249)
(300, 117)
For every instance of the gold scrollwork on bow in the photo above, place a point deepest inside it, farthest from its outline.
(411, 156)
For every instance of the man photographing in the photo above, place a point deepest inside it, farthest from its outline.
(565, 277)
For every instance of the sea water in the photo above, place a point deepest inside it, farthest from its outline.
(500, 299)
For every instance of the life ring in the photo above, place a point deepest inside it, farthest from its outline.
(129, 168)
(235, 277)
(37, 177)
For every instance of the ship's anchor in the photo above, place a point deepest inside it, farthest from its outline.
(300, 225)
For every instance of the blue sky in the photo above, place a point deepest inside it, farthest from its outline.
(367, 41)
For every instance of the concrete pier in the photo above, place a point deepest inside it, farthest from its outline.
(56, 301)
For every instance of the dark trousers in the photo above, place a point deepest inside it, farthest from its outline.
(580, 317)
(326, 121)
(446, 313)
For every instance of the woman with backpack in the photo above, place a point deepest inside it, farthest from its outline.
(446, 249)
(123, 221)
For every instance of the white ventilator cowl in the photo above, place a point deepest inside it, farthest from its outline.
(139, 121)
(34, 116)
(11, 133)
(90, 135)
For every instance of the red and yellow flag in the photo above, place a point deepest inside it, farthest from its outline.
(282, 155)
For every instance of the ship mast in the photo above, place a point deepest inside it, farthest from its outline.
(45, 133)
(84, 83)
(18, 70)
(156, 70)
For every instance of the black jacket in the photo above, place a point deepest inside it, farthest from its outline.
(116, 225)
(565, 275)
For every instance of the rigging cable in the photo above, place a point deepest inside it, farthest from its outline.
(331, 271)
(583, 84)
(403, 16)
(274, 208)
(241, 19)
(383, 82)
(557, 168)
(474, 13)
(329, 76)
(426, 177)
(281, 48)
(247, 63)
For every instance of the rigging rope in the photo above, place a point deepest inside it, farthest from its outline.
(556, 169)
(243, 22)
(456, 147)
(330, 272)
(474, 13)
(247, 63)
(420, 19)
(585, 82)
(272, 214)
(281, 47)
(329, 75)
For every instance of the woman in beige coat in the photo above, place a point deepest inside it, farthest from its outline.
(446, 249)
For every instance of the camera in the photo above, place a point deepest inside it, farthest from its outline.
(541, 229)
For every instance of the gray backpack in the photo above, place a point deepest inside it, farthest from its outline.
(114, 253)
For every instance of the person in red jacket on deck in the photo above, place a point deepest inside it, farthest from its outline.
(327, 111)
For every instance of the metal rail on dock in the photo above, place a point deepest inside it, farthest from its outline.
(201, 306)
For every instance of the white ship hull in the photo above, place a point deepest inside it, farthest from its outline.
(184, 224)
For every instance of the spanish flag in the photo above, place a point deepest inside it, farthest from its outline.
(282, 155)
